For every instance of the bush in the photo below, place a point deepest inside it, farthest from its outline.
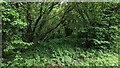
(12, 31)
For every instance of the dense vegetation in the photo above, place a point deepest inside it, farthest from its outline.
(60, 34)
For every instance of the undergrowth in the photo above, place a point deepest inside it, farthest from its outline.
(63, 52)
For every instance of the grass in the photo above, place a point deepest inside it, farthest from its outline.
(63, 52)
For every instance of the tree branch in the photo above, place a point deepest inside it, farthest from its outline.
(80, 12)
(36, 23)
(61, 22)
(38, 18)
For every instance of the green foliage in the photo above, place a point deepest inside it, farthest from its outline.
(12, 30)
(66, 55)
(102, 28)
(69, 34)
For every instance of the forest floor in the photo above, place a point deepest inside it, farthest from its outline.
(63, 52)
